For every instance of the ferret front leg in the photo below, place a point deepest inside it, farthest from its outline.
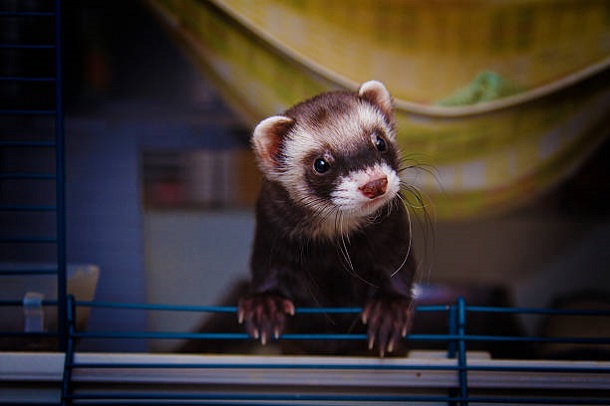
(264, 315)
(388, 319)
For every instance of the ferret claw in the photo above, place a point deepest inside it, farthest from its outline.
(365, 316)
(288, 307)
(390, 347)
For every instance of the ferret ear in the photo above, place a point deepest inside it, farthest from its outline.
(267, 138)
(375, 93)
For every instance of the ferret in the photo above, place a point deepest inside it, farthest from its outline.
(332, 228)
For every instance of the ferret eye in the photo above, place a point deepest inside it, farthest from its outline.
(320, 165)
(380, 143)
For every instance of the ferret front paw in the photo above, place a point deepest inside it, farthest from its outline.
(264, 315)
(388, 321)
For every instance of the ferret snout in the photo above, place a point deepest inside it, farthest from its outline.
(374, 188)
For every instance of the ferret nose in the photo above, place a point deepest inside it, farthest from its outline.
(374, 188)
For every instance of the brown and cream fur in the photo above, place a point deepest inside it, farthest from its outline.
(332, 228)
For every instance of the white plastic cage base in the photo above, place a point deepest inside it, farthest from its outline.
(423, 378)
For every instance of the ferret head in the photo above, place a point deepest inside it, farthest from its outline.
(335, 155)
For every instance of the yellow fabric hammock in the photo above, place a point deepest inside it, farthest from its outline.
(504, 98)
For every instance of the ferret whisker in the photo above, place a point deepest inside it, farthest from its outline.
(430, 170)
(408, 253)
(414, 159)
(425, 220)
(342, 246)
(421, 198)
(321, 208)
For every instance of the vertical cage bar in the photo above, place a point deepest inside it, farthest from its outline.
(60, 185)
(69, 351)
(462, 364)
(452, 347)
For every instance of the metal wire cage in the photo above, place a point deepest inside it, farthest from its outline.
(32, 149)
(32, 204)
(455, 375)
(452, 376)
